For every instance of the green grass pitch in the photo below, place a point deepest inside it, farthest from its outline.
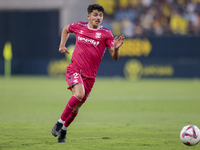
(118, 115)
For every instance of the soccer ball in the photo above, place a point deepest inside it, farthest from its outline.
(190, 135)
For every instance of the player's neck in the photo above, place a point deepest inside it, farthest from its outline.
(93, 27)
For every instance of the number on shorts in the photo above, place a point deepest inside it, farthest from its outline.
(75, 75)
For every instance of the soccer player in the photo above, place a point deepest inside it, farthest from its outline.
(91, 42)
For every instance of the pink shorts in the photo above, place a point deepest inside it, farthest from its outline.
(73, 77)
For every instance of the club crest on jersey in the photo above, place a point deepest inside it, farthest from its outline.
(98, 35)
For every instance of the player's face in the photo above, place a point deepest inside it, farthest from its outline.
(95, 18)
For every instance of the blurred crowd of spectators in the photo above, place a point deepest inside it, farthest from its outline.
(138, 18)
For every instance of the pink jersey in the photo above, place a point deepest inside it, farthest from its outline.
(90, 47)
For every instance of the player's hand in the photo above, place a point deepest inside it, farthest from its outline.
(63, 50)
(118, 41)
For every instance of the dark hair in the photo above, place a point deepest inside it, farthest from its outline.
(92, 7)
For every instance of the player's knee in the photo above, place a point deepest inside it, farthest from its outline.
(79, 95)
(79, 91)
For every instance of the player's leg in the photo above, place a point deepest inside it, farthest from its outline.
(88, 84)
(72, 116)
(68, 121)
(78, 94)
(71, 110)
(75, 83)
(78, 91)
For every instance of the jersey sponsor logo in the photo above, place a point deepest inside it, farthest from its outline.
(98, 35)
(81, 32)
(88, 41)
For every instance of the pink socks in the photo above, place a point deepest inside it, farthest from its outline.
(68, 115)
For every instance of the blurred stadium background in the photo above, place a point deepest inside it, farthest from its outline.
(162, 36)
(162, 41)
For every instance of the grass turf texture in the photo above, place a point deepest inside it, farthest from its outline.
(119, 114)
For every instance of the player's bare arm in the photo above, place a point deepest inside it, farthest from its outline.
(64, 38)
(114, 51)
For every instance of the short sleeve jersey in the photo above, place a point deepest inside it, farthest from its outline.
(90, 47)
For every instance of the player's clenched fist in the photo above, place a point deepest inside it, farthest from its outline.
(63, 50)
